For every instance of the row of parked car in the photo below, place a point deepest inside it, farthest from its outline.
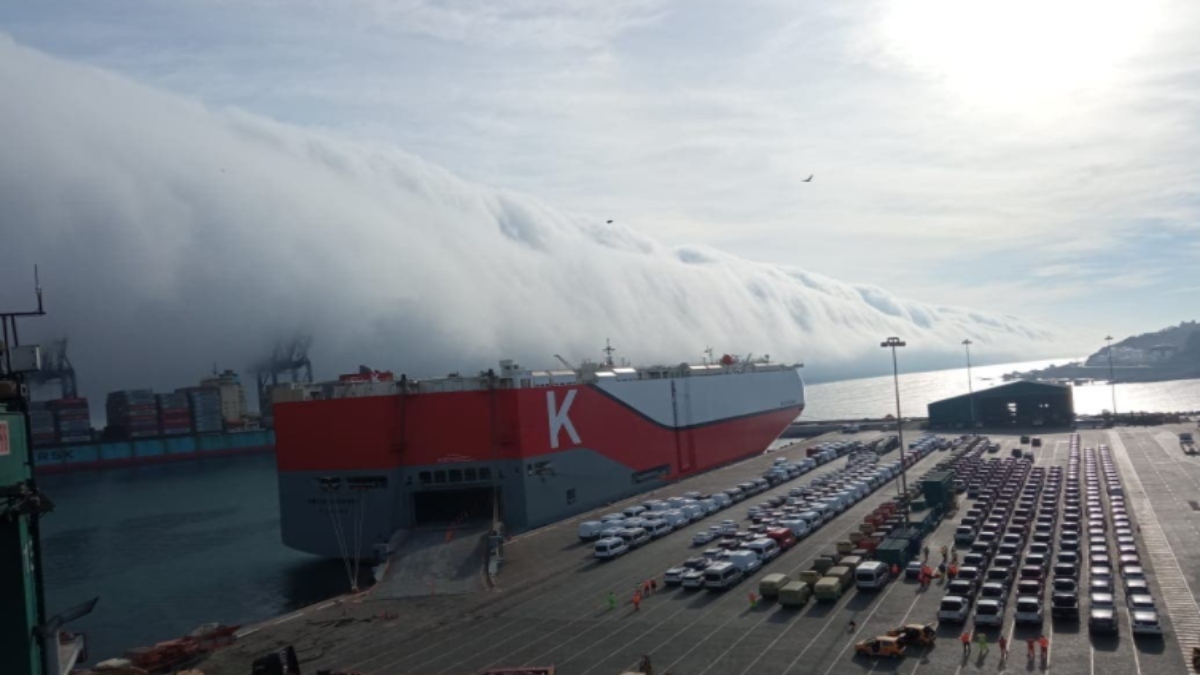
(999, 534)
(616, 534)
(779, 522)
(996, 529)
(1102, 617)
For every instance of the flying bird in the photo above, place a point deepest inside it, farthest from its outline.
(808, 180)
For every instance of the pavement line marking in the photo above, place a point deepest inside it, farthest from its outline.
(1181, 607)
(1137, 663)
(825, 469)
(904, 620)
(454, 637)
(287, 618)
(326, 606)
(808, 562)
(877, 603)
(242, 634)
(807, 647)
(1050, 645)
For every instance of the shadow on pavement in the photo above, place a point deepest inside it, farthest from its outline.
(1149, 644)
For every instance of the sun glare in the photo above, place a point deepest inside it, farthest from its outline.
(1017, 53)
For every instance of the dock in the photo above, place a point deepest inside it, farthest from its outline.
(549, 607)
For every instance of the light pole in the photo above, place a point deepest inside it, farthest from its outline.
(1112, 383)
(893, 343)
(970, 391)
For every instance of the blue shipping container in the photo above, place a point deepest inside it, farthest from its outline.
(115, 451)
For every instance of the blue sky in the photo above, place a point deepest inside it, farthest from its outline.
(1023, 158)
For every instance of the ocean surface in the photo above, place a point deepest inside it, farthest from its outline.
(876, 396)
(170, 547)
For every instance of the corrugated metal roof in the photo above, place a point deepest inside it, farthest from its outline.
(1010, 389)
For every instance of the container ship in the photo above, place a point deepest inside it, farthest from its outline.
(364, 460)
(146, 428)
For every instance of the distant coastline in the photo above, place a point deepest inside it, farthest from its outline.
(1078, 373)
(1172, 353)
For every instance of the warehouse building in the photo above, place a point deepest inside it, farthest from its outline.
(1017, 404)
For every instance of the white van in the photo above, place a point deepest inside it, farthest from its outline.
(746, 560)
(799, 527)
(814, 518)
(694, 512)
(634, 536)
(767, 549)
(589, 530)
(612, 517)
(675, 517)
(658, 528)
(722, 575)
(611, 529)
(871, 574)
(675, 502)
(709, 505)
(723, 500)
(634, 511)
(657, 505)
(611, 547)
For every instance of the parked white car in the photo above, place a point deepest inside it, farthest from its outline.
(954, 609)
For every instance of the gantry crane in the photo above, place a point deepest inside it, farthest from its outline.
(56, 365)
(291, 358)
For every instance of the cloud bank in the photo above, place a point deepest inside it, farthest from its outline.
(173, 237)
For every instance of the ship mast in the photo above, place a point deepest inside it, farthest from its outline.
(608, 351)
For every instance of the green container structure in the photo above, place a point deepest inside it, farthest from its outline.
(930, 520)
(938, 488)
(901, 546)
(19, 610)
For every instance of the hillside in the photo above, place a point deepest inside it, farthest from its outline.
(1169, 354)
(1172, 346)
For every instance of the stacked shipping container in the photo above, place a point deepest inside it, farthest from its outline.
(206, 409)
(72, 420)
(132, 413)
(42, 431)
(174, 414)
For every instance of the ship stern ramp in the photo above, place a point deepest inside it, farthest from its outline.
(435, 561)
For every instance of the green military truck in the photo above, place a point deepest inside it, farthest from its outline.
(829, 588)
(795, 594)
(771, 584)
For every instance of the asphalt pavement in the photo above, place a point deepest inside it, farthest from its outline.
(550, 606)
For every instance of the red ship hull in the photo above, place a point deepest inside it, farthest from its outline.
(547, 451)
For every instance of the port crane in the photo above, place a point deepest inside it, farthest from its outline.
(289, 358)
(56, 365)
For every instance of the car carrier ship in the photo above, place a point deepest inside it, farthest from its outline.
(360, 462)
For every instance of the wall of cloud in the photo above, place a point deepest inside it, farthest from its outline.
(172, 237)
